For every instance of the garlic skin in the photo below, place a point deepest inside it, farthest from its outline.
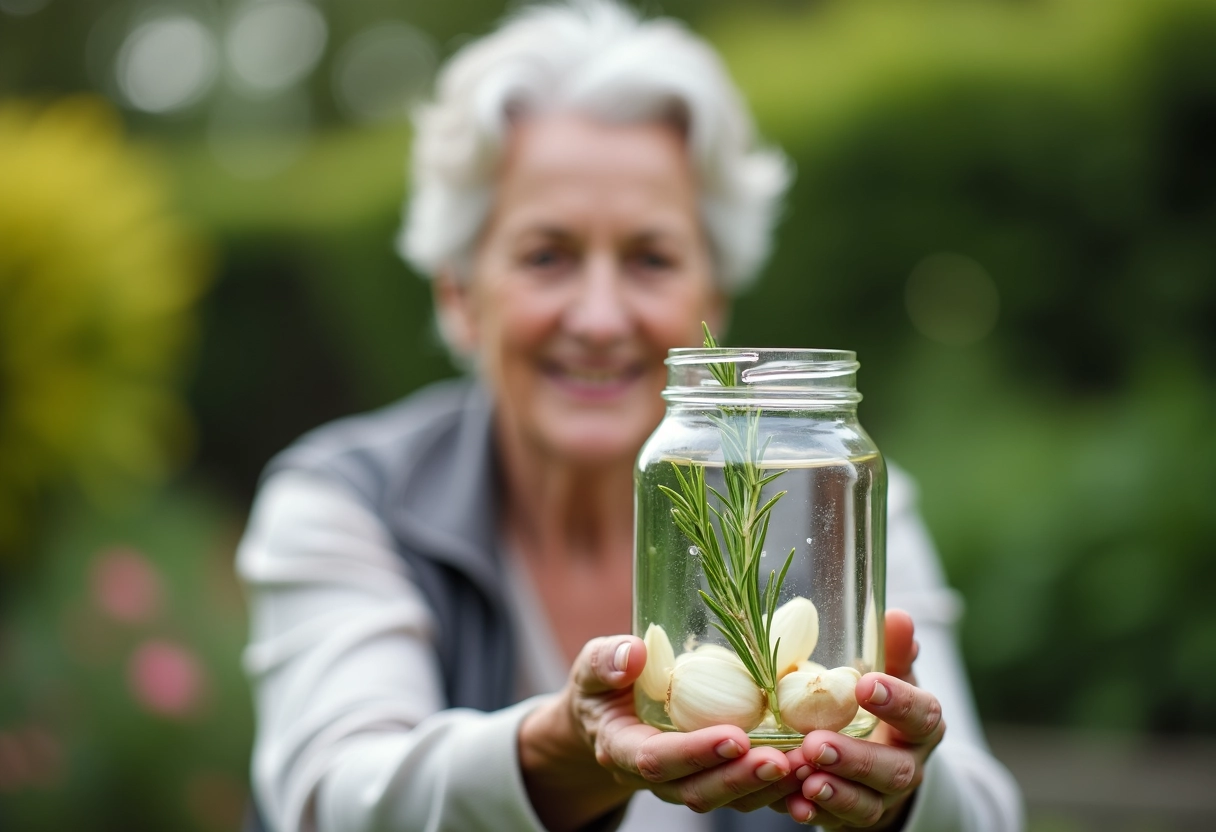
(706, 690)
(660, 659)
(796, 624)
(818, 700)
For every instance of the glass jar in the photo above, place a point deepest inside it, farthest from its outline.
(760, 549)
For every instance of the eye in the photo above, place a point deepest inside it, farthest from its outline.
(546, 258)
(650, 261)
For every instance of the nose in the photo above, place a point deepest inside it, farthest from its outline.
(599, 311)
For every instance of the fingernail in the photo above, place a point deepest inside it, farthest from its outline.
(827, 755)
(880, 694)
(728, 749)
(620, 659)
(804, 772)
(810, 817)
(825, 793)
(769, 772)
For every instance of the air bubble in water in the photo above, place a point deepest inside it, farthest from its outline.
(694, 551)
(808, 540)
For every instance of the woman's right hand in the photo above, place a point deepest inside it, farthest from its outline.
(584, 752)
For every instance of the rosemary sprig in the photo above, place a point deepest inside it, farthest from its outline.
(732, 564)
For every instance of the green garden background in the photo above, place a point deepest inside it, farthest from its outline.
(1007, 207)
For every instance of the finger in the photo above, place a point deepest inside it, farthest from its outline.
(772, 795)
(883, 768)
(799, 808)
(914, 713)
(608, 663)
(666, 756)
(900, 646)
(716, 787)
(849, 801)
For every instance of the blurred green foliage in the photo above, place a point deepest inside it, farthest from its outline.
(1065, 149)
(97, 284)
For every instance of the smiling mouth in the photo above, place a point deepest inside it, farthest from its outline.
(593, 383)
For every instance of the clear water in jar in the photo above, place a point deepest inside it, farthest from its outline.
(825, 517)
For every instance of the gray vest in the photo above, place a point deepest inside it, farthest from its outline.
(426, 467)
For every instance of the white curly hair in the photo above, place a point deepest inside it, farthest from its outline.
(600, 59)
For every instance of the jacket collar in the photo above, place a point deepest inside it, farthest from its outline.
(444, 504)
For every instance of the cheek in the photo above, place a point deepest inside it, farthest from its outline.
(514, 318)
(674, 318)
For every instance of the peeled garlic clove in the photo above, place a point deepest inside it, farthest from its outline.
(660, 659)
(818, 700)
(796, 624)
(709, 691)
(717, 651)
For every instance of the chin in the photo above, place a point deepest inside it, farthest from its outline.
(597, 441)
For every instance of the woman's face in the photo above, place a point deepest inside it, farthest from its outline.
(591, 267)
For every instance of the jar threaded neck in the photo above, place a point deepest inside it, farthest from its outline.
(769, 378)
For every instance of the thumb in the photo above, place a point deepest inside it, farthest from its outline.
(608, 663)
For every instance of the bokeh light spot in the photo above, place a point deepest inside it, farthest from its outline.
(275, 43)
(382, 71)
(126, 586)
(166, 64)
(166, 678)
(951, 299)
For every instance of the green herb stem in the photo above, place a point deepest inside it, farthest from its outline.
(732, 565)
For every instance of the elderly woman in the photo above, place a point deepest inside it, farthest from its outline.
(434, 586)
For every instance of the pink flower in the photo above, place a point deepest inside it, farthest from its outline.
(166, 678)
(126, 586)
(30, 757)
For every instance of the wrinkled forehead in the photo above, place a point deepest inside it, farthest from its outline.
(576, 169)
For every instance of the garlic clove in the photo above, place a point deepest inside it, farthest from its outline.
(660, 659)
(706, 691)
(811, 667)
(796, 624)
(818, 700)
(716, 651)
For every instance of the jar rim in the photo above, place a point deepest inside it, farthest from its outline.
(789, 376)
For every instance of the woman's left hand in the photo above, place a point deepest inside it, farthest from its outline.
(868, 784)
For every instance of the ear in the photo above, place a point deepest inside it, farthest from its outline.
(454, 310)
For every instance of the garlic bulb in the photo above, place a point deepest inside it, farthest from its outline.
(706, 691)
(812, 667)
(715, 651)
(796, 624)
(660, 658)
(818, 700)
